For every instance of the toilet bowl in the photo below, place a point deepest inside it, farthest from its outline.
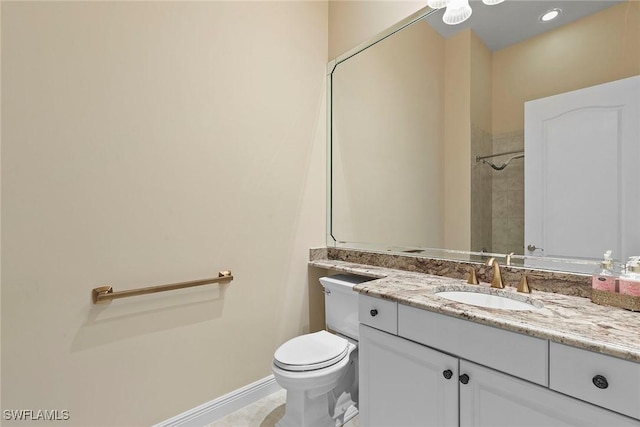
(310, 381)
(320, 370)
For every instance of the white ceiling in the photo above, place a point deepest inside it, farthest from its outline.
(513, 21)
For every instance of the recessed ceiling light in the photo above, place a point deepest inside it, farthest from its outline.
(550, 15)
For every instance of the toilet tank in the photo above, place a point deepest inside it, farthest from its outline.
(341, 303)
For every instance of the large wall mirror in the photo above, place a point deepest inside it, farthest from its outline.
(448, 140)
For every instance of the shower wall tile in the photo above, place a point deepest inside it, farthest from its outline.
(508, 196)
(481, 191)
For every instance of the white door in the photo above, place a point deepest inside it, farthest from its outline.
(404, 384)
(493, 399)
(582, 172)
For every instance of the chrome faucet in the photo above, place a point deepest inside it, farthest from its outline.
(496, 282)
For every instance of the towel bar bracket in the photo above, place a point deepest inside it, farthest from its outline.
(96, 293)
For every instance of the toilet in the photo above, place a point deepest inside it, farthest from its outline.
(320, 370)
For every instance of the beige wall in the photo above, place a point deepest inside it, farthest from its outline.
(147, 143)
(0, 209)
(480, 83)
(457, 223)
(597, 49)
(355, 22)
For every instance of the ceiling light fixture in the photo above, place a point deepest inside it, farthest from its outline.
(457, 11)
(437, 4)
(550, 14)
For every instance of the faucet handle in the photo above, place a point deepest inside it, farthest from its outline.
(496, 282)
(524, 285)
(473, 279)
(508, 258)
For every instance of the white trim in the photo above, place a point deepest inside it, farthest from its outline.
(224, 405)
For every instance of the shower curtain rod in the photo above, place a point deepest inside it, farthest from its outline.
(479, 158)
(483, 159)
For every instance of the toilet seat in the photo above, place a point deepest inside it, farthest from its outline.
(311, 352)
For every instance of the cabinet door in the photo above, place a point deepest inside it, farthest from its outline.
(404, 384)
(493, 399)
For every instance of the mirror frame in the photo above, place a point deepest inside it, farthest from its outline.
(561, 265)
(420, 14)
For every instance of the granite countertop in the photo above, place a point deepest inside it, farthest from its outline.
(571, 320)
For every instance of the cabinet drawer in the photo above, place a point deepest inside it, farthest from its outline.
(378, 313)
(576, 372)
(516, 354)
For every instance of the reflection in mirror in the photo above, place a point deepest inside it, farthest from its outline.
(387, 109)
(417, 117)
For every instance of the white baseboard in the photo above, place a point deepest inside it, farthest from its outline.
(224, 405)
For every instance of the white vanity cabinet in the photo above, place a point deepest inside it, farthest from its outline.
(597, 378)
(443, 371)
(493, 399)
(404, 384)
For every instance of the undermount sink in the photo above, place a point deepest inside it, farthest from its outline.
(487, 300)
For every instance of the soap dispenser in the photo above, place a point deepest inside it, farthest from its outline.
(630, 280)
(604, 278)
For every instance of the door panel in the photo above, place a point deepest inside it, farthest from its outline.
(582, 185)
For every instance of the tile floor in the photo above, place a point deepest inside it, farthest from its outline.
(263, 413)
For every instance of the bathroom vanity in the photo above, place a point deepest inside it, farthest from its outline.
(426, 360)
(430, 369)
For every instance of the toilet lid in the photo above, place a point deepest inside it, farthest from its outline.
(311, 351)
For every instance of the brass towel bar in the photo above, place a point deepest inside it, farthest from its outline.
(105, 294)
